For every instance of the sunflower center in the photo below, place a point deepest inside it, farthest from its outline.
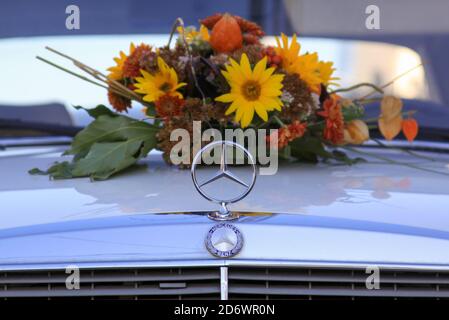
(251, 90)
(166, 87)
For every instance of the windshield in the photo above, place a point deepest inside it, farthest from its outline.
(48, 95)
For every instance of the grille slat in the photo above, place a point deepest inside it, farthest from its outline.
(193, 289)
(244, 282)
(360, 277)
(107, 276)
(343, 292)
(310, 283)
(121, 283)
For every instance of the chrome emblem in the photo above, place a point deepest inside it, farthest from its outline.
(224, 172)
(224, 240)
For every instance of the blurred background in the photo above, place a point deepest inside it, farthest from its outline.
(410, 32)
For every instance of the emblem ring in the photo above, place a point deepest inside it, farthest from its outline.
(234, 248)
(223, 144)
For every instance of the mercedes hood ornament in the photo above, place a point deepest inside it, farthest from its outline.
(224, 172)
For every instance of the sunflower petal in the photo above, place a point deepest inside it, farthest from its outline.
(266, 75)
(239, 112)
(180, 85)
(261, 111)
(233, 107)
(259, 68)
(245, 66)
(247, 117)
(228, 97)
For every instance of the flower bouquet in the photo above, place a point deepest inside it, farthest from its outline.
(221, 76)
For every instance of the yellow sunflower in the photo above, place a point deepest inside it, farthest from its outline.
(204, 33)
(163, 82)
(192, 34)
(251, 90)
(307, 66)
(116, 72)
(289, 54)
(325, 71)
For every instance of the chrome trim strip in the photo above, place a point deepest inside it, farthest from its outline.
(45, 141)
(420, 144)
(221, 263)
(224, 283)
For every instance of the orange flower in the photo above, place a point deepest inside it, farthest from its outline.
(410, 129)
(169, 106)
(288, 133)
(118, 102)
(116, 72)
(136, 61)
(334, 123)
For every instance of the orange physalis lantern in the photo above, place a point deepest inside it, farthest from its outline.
(410, 129)
(226, 35)
(390, 119)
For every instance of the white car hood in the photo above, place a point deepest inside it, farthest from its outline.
(374, 212)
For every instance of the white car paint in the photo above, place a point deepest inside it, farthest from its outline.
(371, 213)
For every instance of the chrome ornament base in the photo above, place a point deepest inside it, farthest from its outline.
(219, 216)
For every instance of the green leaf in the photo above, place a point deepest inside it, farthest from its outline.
(97, 111)
(308, 149)
(37, 171)
(59, 170)
(110, 144)
(343, 157)
(109, 129)
(105, 159)
(150, 111)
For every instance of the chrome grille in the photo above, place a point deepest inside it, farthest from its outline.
(313, 283)
(164, 283)
(243, 283)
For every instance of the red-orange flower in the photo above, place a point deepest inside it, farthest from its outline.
(288, 133)
(136, 61)
(169, 106)
(334, 123)
(118, 102)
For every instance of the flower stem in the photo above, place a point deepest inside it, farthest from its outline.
(366, 101)
(71, 72)
(179, 22)
(393, 80)
(383, 145)
(113, 85)
(369, 154)
(363, 84)
(279, 121)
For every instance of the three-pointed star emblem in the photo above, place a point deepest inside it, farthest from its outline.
(224, 213)
(224, 172)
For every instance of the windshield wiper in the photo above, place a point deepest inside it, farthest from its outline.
(47, 128)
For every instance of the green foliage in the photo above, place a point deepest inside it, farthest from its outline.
(343, 157)
(311, 149)
(110, 144)
(150, 111)
(352, 112)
